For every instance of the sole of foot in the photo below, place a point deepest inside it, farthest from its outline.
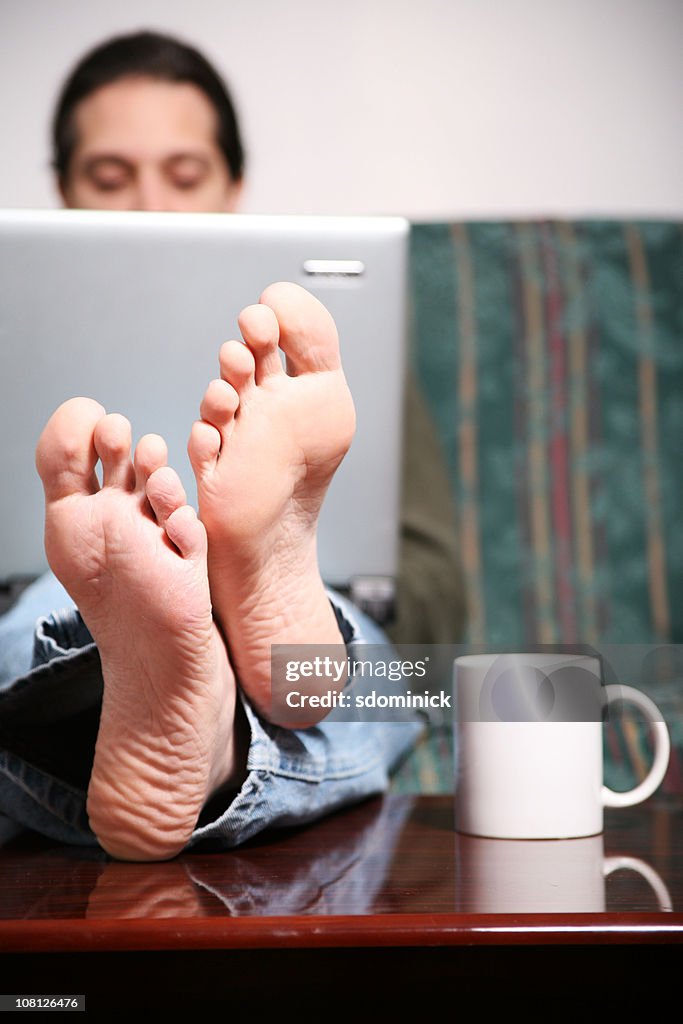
(268, 443)
(133, 556)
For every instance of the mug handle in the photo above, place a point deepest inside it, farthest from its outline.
(652, 780)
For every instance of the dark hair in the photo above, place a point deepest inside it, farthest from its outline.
(151, 55)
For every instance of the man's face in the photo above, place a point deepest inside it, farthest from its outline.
(144, 144)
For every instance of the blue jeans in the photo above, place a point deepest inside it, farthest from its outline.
(50, 681)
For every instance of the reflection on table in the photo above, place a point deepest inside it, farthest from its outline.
(388, 867)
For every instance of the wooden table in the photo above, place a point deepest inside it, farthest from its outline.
(383, 901)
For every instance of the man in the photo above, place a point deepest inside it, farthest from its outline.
(145, 123)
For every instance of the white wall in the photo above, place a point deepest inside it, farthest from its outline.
(429, 108)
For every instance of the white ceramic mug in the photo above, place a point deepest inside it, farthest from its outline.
(529, 748)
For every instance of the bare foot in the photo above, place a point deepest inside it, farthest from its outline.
(132, 555)
(263, 454)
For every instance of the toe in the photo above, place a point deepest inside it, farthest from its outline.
(186, 531)
(261, 332)
(151, 453)
(66, 456)
(112, 438)
(165, 493)
(308, 335)
(219, 405)
(237, 366)
(203, 447)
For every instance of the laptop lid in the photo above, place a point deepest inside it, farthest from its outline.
(131, 309)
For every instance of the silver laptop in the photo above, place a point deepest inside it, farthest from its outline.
(131, 309)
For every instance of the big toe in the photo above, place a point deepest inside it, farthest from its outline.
(308, 334)
(66, 456)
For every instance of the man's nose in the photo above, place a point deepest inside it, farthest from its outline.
(151, 191)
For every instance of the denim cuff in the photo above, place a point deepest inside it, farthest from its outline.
(292, 776)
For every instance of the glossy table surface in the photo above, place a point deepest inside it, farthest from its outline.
(387, 873)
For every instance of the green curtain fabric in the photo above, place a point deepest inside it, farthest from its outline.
(551, 358)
